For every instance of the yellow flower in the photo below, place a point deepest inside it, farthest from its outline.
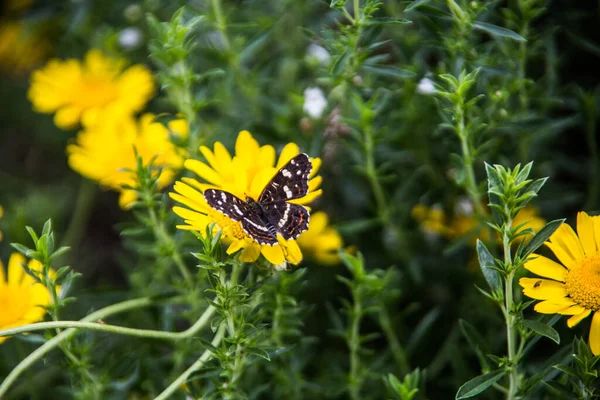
(247, 173)
(21, 297)
(104, 149)
(573, 285)
(21, 48)
(79, 91)
(464, 223)
(320, 240)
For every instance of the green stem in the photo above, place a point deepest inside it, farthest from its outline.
(81, 214)
(181, 379)
(161, 235)
(471, 183)
(354, 344)
(397, 350)
(510, 319)
(65, 335)
(371, 172)
(101, 327)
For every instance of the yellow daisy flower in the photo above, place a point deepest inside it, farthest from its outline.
(104, 149)
(246, 173)
(79, 91)
(21, 48)
(435, 221)
(321, 241)
(573, 285)
(22, 298)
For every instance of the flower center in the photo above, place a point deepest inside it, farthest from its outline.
(229, 226)
(12, 306)
(583, 283)
(95, 92)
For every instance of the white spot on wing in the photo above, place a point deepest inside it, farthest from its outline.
(223, 196)
(284, 219)
(286, 173)
(288, 192)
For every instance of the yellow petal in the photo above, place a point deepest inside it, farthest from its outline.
(316, 166)
(246, 148)
(251, 252)
(210, 158)
(292, 252)
(309, 198)
(203, 171)
(67, 117)
(318, 221)
(235, 246)
(289, 151)
(16, 274)
(223, 159)
(596, 223)
(274, 254)
(575, 319)
(266, 156)
(260, 181)
(565, 245)
(585, 231)
(314, 183)
(127, 198)
(553, 306)
(575, 309)
(546, 268)
(595, 334)
(543, 289)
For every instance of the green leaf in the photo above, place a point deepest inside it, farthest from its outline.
(47, 227)
(475, 340)
(542, 329)
(541, 237)
(258, 352)
(387, 20)
(415, 4)
(479, 384)
(389, 71)
(496, 30)
(488, 267)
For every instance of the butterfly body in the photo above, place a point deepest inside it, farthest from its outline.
(270, 214)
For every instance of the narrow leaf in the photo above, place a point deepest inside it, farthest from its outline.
(415, 4)
(487, 264)
(496, 30)
(390, 71)
(258, 352)
(479, 384)
(542, 329)
(541, 237)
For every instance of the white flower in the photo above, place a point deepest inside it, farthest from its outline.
(319, 53)
(130, 38)
(425, 86)
(314, 102)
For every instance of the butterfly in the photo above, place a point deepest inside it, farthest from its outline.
(271, 214)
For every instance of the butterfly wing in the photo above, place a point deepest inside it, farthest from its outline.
(289, 219)
(258, 229)
(227, 203)
(290, 182)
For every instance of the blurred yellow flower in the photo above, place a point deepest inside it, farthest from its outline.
(80, 91)
(464, 223)
(104, 149)
(321, 241)
(21, 48)
(573, 285)
(22, 298)
(247, 173)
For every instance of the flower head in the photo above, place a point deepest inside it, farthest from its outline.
(321, 241)
(464, 223)
(22, 298)
(572, 286)
(104, 151)
(245, 174)
(79, 91)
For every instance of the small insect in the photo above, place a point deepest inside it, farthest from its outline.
(537, 284)
(262, 219)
